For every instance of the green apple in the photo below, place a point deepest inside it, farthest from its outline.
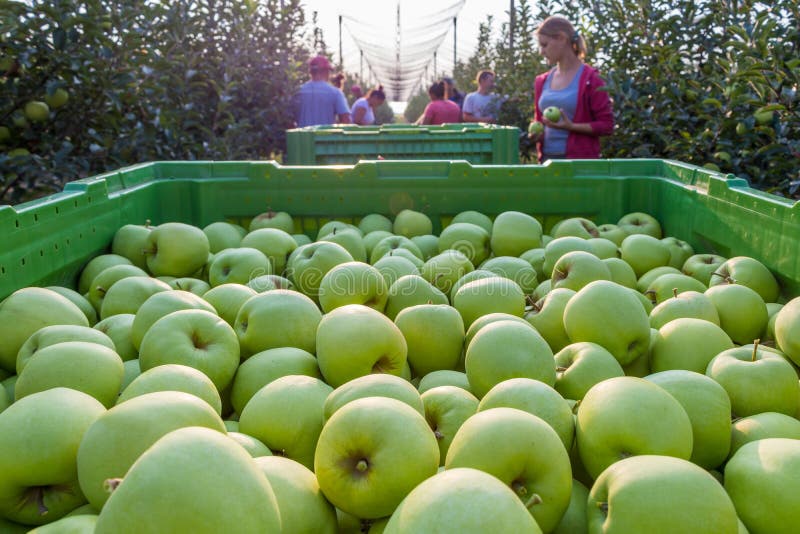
(446, 409)
(687, 343)
(702, 266)
(302, 505)
(541, 290)
(742, 311)
(747, 272)
(514, 232)
(604, 248)
(118, 437)
(118, 328)
(535, 257)
(536, 398)
(558, 247)
(670, 285)
(444, 378)
(787, 329)
(553, 114)
(576, 269)
(404, 253)
(79, 524)
(411, 290)
(179, 483)
(130, 241)
(350, 239)
(308, 264)
(756, 380)
(375, 385)
(709, 410)
(393, 267)
(462, 500)
(689, 304)
(477, 274)
(222, 235)
(91, 368)
(547, 316)
(525, 354)
(609, 315)
(434, 334)
(612, 232)
(262, 368)
(659, 494)
(176, 249)
(334, 226)
(271, 219)
(470, 239)
(577, 227)
(27, 310)
(474, 217)
(192, 285)
(680, 251)
(227, 300)
(173, 377)
(652, 275)
(237, 266)
(79, 300)
(535, 128)
(353, 282)
(371, 453)
(126, 295)
(487, 319)
(53, 334)
(627, 416)
(410, 223)
(513, 268)
(279, 318)
(301, 239)
(621, 272)
(264, 283)
(574, 519)
(274, 243)
(488, 295)
(445, 269)
(103, 282)
(644, 252)
(524, 452)
(39, 439)
(428, 244)
(373, 238)
(374, 222)
(762, 426)
(580, 366)
(763, 480)
(287, 416)
(354, 341)
(254, 447)
(197, 338)
(640, 223)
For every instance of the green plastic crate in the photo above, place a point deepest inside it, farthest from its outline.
(48, 241)
(345, 144)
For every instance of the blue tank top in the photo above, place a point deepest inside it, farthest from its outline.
(555, 140)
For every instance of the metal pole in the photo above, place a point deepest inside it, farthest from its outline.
(435, 70)
(455, 42)
(341, 58)
(397, 56)
(512, 14)
(361, 67)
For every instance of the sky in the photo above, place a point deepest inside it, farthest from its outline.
(373, 22)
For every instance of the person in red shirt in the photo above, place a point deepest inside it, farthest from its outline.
(586, 110)
(440, 110)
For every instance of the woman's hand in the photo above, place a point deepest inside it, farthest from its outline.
(563, 123)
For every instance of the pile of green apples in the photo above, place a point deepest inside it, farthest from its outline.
(492, 378)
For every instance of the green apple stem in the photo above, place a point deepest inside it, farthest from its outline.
(147, 223)
(675, 292)
(101, 290)
(651, 294)
(36, 494)
(603, 507)
(561, 369)
(111, 484)
(755, 349)
(362, 466)
(438, 434)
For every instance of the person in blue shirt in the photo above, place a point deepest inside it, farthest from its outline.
(318, 102)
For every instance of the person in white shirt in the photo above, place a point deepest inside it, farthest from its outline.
(482, 105)
(363, 110)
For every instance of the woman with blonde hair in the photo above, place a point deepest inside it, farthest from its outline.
(574, 88)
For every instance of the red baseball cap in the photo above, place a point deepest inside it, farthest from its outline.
(319, 63)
